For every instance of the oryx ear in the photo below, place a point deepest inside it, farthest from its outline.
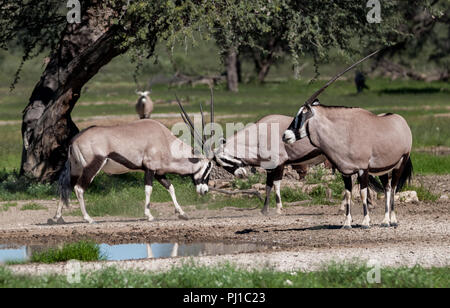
(316, 102)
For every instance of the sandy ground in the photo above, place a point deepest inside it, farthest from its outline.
(301, 238)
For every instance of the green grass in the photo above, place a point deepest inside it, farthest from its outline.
(228, 276)
(82, 251)
(33, 207)
(6, 206)
(423, 194)
(425, 163)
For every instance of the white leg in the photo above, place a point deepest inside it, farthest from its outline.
(148, 193)
(149, 252)
(387, 207)
(394, 221)
(58, 214)
(265, 209)
(80, 195)
(174, 252)
(277, 185)
(348, 215)
(178, 209)
(366, 221)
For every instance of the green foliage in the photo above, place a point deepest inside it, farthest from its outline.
(32, 207)
(82, 251)
(248, 182)
(6, 206)
(353, 275)
(15, 187)
(423, 194)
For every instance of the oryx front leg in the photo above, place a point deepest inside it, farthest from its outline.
(386, 181)
(166, 183)
(277, 185)
(265, 210)
(148, 192)
(348, 200)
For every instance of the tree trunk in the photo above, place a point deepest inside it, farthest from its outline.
(232, 70)
(47, 127)
(262, 70)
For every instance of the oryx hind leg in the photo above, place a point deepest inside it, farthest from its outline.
(89, 173)
(167, 185)
(386, 181)
(396, 174)
(363, 178)
(348, 200)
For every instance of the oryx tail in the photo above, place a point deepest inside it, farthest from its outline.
(64, 185)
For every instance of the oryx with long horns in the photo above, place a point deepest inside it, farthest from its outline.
(260, 145)
(144, 105)
(357, 141)
(144, 145)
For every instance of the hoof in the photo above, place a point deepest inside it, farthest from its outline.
(150, 219)
(385, 225)
(394, 224)
(183, 217)
(91, 222)
(265, 213)
(279, 212)
(346, 227)
(365, 227)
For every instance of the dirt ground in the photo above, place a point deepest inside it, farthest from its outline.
(302, 237)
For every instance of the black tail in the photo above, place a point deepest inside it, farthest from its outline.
(64, 186)
(375, 184)
(406, 175)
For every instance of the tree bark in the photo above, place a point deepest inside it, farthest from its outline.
(232, 70)
(47, 127)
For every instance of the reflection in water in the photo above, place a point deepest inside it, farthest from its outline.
(137, 251)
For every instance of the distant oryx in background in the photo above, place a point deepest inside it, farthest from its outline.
(145, 145)
(357, 141)
(144, 105)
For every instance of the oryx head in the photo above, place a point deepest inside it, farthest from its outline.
(228, 162)
(143, 96)
(201, 177)
(298, 128)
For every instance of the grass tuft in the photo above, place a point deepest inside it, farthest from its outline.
(81, 251)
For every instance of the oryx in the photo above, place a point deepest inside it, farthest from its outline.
(260, 145)
(357, 141)
(144, 105)
(145, 145)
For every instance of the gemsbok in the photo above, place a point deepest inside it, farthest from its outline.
(260, 145)
(357, 141)
(144, 105)
(145, 145)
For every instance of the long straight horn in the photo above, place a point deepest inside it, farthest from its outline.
(188, 122)
(212, 105)
(203, 123)
(314, 96)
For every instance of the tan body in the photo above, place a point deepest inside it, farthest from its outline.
(144, 145)
(355, 139)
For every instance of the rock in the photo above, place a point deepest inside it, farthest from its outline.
(406, 196)
(444, 198)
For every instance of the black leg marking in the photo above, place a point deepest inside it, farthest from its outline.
(163, 180)
(90, 171)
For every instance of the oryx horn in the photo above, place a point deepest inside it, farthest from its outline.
(318, 92)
